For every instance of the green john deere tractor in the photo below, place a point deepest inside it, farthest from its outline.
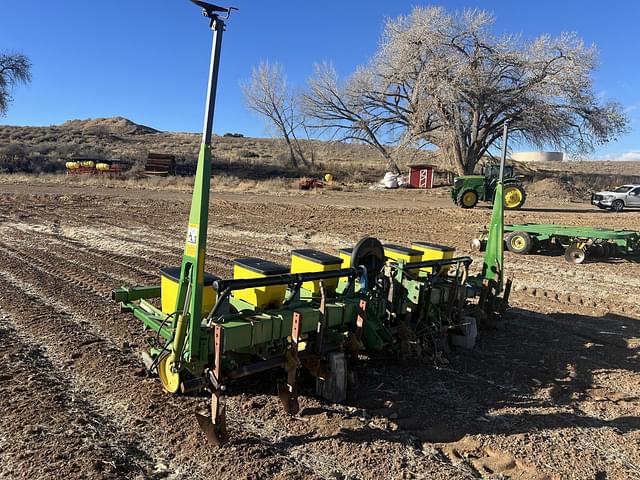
(469, 189)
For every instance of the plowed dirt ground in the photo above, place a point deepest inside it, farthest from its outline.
(552, 394)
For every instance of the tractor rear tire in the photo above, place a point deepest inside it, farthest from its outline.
(467, 198)
(514, 197)
(520, 243)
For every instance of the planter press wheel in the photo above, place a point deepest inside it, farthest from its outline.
(170, 380)
(369, 253)
(575, 255)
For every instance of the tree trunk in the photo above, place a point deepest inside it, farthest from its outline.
(465, 159)
(469, 164)
(292, 154)
(458, 162)
(299, 150)
(473, 155)
(392, 166)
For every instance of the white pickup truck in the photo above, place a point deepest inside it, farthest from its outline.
(618, 198)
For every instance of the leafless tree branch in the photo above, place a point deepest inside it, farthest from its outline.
(268, 94)
(15, 68)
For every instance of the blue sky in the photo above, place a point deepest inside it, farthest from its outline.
(147, 60)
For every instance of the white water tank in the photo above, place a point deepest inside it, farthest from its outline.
(538, 156)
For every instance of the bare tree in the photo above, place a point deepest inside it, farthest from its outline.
(462, 83)
(351, 111)
(446, 80)
(268, 95)
(14, 69)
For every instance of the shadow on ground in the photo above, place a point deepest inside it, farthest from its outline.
(534, 374)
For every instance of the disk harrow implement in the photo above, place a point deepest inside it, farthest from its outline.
(318, 314)
(577, 243)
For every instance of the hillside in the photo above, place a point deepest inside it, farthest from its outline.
(45, 150)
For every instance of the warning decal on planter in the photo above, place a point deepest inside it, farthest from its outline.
(192, 239)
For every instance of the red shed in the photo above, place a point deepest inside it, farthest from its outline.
(421, 176)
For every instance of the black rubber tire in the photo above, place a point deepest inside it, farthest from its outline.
(617, 206)
(574, 255)
(460, 198)
(370, 253)
(524, 243)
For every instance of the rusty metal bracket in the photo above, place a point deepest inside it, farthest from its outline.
(288, 393)
(217, 352)
(215, 426)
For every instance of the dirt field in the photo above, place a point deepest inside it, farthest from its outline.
(552, 395)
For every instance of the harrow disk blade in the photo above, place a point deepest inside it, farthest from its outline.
(574, 255)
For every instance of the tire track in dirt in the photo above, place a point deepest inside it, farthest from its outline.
(123, 265)
(544, 280)
(139, 418)
(161, 252)
(137, 404)
(43, 261)
(84, 260)
(34, 270)
(44, 282)
(65, 414)
(66, 435)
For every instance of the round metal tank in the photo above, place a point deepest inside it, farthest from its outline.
(538, 156)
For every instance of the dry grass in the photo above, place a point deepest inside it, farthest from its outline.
(225, 183)
(257, 164)
(46, 149)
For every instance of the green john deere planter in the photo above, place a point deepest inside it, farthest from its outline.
(317, 316)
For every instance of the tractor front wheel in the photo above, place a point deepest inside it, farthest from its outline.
(520, 242)
(514, 197)
(467, 198)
